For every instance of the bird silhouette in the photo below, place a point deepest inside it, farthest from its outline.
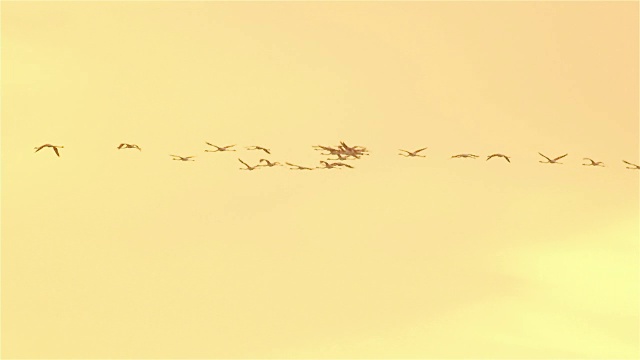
(269, 163)
(298, 167)
(412, 153)
(551, 161)
(129, 146)
(182, 158)
(593, 163)
(220, 148)
(54, 147)
(259, 148)
(635, 167)
(247, 165)
(499, 155)
(464, 156)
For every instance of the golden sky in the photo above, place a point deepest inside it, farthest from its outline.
(124, 254)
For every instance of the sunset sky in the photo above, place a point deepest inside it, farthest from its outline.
(126, 254)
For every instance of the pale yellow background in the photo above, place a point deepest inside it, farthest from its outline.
(127, 254)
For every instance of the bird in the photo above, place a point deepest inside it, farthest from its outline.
(464, 156)
(332, 165)
(635, 167)
(220, 148)
(182, 158)
(341, 157)
(498, 155)
(412, 153)
(129, 146)
(247, 165)
(552, 161)
(269, 163)
(55, 148)
(593, 163)
(298, 167)
(259, 148)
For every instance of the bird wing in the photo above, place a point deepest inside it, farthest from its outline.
(266, 150)
(407, 151)
(490, 156)
(626, 162)
(507, 158)
(175, 156)
(560, 157)
(56, 151)
(210, 144)
(245, 164)
(343, 164)
(38, 149)
(417, 151)
(120, 146)
(290, 164)
(545, 157)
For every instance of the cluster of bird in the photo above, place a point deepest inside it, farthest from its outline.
(341, 152)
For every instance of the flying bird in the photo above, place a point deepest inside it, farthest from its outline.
(412, 153)
(129, 146)
(54, 147)
(247, 165)
(220, 148)
(551, 161)
(464, 156)
(635, 167)
(332, 165)
(498, 155)
(269, 163)
(298, 167)
(182, 158)
(259, 148)
(593, 163)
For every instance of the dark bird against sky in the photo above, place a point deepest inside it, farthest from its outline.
(499, 155)
(593, 163)
(129, 146)
(634, 166)
(412, 153)
(54, 147)
(551, 161)
(220, 148)
(183, 158)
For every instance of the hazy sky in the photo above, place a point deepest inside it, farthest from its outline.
(124, 254)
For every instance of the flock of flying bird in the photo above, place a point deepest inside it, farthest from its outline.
(341, 152)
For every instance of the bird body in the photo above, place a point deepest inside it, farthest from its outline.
(499, 155)
(464, 156)
(129, 146)
(259, 148)
(54, 147)
(220, 148)
(298, 167)
(593, 163)
(247, 165)
(412, 153)
(333, 165)
(269, 163)
(551, 161)
(182, 158)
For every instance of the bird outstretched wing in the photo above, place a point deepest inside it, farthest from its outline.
(55, 149)
(560, 157)
(245, 164)
(544, 156)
